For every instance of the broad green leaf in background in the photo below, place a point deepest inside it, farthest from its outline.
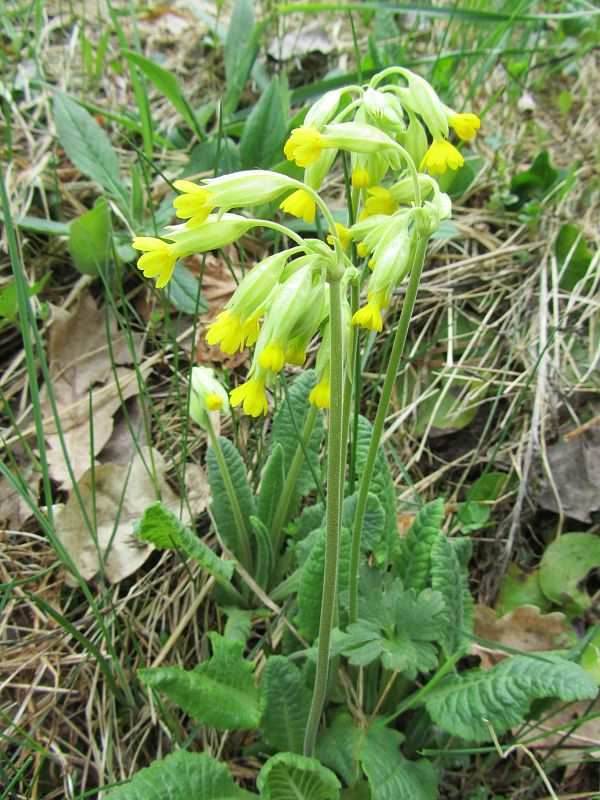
(9, 305)
(183, 290)
(474, 513)
(288, 776)
(415, 560)
(162, 528)
(88, 147)
(573, 256)
(503, 694)
(521, 588)
(285, 704)
(261, 144)
(339, 746)
(450, 578)
(284, 431)
(373, 532)
(218, 155)
(310, 590)
(90, 240)
(168, 85)
(273, 478)
(182, 776)
(241, 48)
(563, 569)
(221, 507)
(535, 183)
(219, 692)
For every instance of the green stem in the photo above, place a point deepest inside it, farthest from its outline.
(244, 552)
(350, 381)
(283, 506)
(384, 401)
(334, 468)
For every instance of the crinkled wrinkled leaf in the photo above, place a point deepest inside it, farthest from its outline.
(310, 590)
(285, 703)
(182, 776)
(415, 561)
(503, 694)
(450, 578)
(288, 776)
(273, 478)
(219, 692)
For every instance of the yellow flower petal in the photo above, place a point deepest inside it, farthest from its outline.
(253, 396)
(380, 201)
(214, 402)
(361, 178)
(272, 357)
(465, 125)
(300, 204)
(344, 233)
(304, 146)
(441, 154)
(320, 396)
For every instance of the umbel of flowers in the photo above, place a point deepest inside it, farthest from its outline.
(396, 131)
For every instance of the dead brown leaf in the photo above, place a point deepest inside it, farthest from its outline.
(114, 497)
(525, 629)
(80, 364)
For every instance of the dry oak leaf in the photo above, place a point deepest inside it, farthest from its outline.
(85, 357)
(114, 497)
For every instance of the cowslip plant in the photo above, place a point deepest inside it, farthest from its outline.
(376, 625)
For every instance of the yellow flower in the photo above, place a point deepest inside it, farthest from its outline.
(158, 260)
(300, 204)
(272, 357)
(362, 250)
(441, 154)
(231, 333)
(465, 125)
(361, 178)
(253, 396)
(304, 146)
(214, 402)
(379, 202)
(369, 316)
(345, 235)
(194, 204)
(320, 396)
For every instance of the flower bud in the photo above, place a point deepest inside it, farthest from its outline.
(206, 394)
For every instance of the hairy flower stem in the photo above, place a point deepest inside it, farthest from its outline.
(242, 551)
(384, 401)
(283, 506)
(334, 493)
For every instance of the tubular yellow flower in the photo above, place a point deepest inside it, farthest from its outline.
(193, 204)
(361, 178)
(252, 395)
(344, 233)
(320, 395)
(379, 202)
(272, 357)
(465, 125)
(362, 250)
(304, 146)
(369, 316)
(300, 204)
(441, 154)
(231, 333)
(158, 260)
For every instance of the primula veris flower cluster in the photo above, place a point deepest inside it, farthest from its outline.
(397, 133)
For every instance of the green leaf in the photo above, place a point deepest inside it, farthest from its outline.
(520, 588)
(503, 694)
(415, 562)
(310, 590)
(90, 240)
(203, 158)
(239, 623)
(241, 48)
(166, 83)
(182, 776)
(288, 776)
(373, 533)
(339, 746)
(221, 507)
(88, 147)
(39, 225)
(265, 130)
(219, 692)
(535, 183)
(450, 578)
(573, 256)
(183, 290)
(263, 551)
(382, 485)
(479, 503)
(162, 528)
(391, 776)
(285, 704)
(273, 478)
(564, 567)
(284, 431)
